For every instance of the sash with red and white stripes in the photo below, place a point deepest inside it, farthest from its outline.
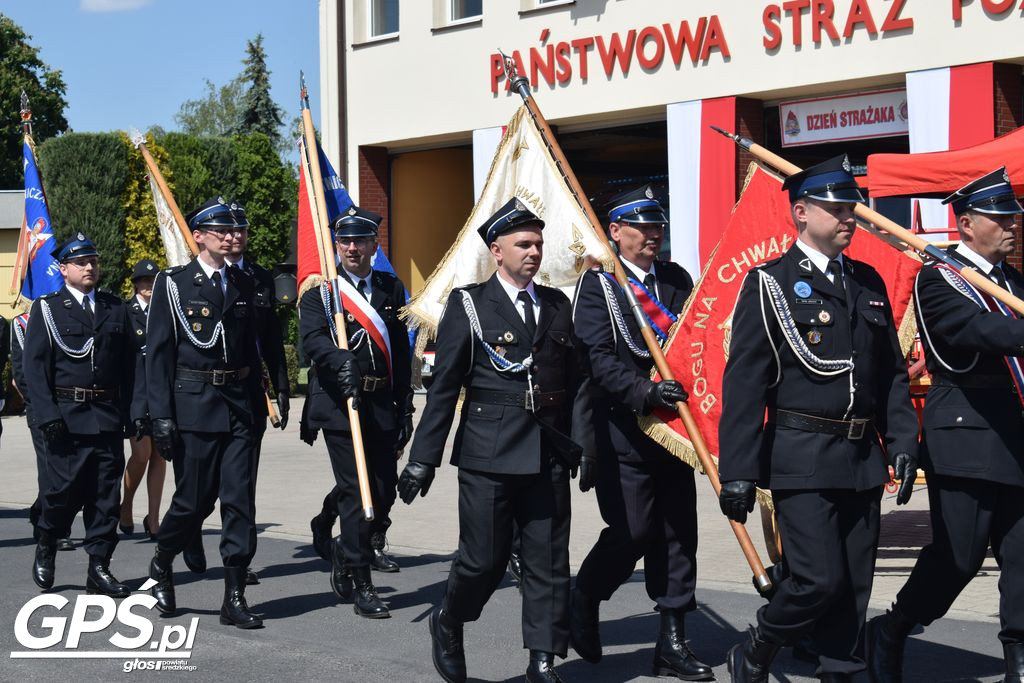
(992, 305)
(366, 315)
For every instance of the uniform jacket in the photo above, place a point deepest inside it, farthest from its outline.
(110, 366)
(834, 325)
(501, 439)
(196, 405)
(974, 432)
(619, 381)
(268, 326)
(383, 409)
(18, 366)
(137, 317)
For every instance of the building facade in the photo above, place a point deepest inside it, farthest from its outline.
(414, 97)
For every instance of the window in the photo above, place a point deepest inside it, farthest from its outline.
(383, 17)
(465, 9)
(533, 5)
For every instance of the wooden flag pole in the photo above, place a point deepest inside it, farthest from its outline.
(325, 246)
(887, 225)
(521, 85)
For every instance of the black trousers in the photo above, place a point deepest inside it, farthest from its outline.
(214, 465)
(84, 473)
(42, 481)
(969, 515)
(830, 540)
(382, 470)
(650, 509)
(489, 505)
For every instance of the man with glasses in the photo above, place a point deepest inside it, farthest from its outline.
(204, 395)
(377, 370)
(79, 369)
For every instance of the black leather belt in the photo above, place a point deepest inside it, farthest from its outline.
(370, 383)
(217, 378)
(967, 381)
(83, 394)
(852, 429)
(530, 400)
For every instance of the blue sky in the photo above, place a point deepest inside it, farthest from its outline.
(131, 63)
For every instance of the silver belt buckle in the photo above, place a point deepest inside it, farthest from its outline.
(219, 378)
(530, 405)
(80, 395)
(856, 430)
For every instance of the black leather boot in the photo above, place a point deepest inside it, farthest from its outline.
(251, 578)
(749, 661)
(235, 610)
(381, 562)
(161, 571)
(195, 555)
(542, 668)
(515, 568)
(321, 526)
(584, 628)
(341, 577)
(64, 544)
(446, 646)
(100, 580)
(367, 603)
(1013, 654)
(672, 657)
(884, 639)
(43, 564)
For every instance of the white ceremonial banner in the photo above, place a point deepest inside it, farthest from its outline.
(857, 116)
(524, 168)
(178, 253)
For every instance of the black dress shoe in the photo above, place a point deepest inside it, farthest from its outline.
(749, 661)
(367, 603)
(1013, 654)
(341, 577)
(145, 528)
(160, 570)
(885, 637)
(672, 657)
(584, 628)
(235, 610)
(542, 668)
(126, 528)
(65, 544)
(43, 564)
(446, 646)
(251, 578)
(381, 561)
(100, 580)
(321, 527)
(195, 555)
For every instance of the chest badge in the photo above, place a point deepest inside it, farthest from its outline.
(500, 350)
(507, 337)
(190, 312)
(802, 289)
(138, 332)
(205, 312)
(824, 316)
(814, 337)
(197, 327)
(348, 317)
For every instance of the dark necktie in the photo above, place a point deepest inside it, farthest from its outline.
(837, 275)
(87, 305)
(651, 284)
(218, 298)
(999, 277)
(531, 321)
(361, 287)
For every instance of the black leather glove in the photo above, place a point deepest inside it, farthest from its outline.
(55, 432)
(348, 379)
(307, 435)
(404, 433)
(282, 408)
(142, 428)
(165, 437)
(737, 499)
(665, 394)
(905, 467)
(416, 478)
(588, 473)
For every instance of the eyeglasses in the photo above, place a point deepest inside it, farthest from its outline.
(83, 262)
(358, 241)
(225, 232)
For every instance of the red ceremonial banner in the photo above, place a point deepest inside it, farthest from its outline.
(760, 229)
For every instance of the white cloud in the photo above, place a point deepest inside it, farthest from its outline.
(112, 5)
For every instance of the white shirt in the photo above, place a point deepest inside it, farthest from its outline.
(79, 295)
(639, 275)
(367, 284)
(210, 270)
(819, 260)
(981, 262)
(513, 294)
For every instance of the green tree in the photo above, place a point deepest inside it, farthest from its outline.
(259, 113)
(268, 190)
(86, 175)
(141, 232)
(203, 168)
(216, 113)
(22, 69)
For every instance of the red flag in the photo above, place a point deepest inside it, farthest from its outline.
(307, 255)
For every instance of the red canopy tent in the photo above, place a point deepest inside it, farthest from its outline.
(940, 174)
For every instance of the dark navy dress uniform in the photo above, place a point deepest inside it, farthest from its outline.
(822, 357)
(972, 445)
(79, 372)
